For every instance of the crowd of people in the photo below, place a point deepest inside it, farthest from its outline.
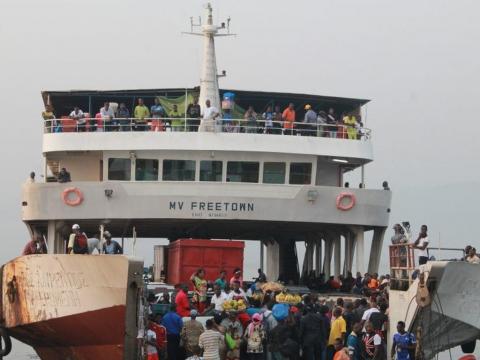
(273, 120)
(314, 328)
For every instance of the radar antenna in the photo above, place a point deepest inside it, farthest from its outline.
(209, 88)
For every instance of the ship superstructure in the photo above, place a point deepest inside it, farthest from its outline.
(244, 184)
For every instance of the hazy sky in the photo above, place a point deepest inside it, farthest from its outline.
(417, 60)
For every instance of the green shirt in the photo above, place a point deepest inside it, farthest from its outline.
(221, 283)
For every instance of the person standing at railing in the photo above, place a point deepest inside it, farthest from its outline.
(107, 114)
(79, 117)
(123, 114)
(321, 122)
(277, 120)
(288, 118)
(210, 114)
(268, 117)
(178, 124)
(332, 123)
(193, 113)
(141, 113)
(157, 112)
(227, 119)
(251, 120)
(310, 121)
(350, 121)
(49, 117)
(421, 244)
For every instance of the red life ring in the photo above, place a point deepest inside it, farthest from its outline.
(349, 205)
(76, 200)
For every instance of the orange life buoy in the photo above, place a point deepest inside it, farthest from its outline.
(76, 200)
(347, 206)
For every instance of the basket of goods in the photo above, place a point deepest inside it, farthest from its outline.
(258, 296)
(286, 298)
(234, 305)
(272, 286)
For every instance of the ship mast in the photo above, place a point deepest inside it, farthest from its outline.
(209, 89)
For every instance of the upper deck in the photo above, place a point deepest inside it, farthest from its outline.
(64, 134)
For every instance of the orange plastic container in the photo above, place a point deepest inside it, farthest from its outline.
(185, 256)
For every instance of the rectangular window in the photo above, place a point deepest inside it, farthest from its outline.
(300, 173)
(178, 170)
(146, 170)
(119, 169)
(242, 171)
(274, 173)
(211, 170)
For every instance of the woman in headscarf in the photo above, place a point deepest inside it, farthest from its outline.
(254, 335)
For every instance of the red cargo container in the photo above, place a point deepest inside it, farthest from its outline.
(185, 256)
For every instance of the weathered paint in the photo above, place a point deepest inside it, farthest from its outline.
(72, 306)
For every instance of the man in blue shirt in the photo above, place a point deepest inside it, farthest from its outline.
(403, 342)
(354, 342)
(173, 323)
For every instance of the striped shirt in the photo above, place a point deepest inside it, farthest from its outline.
(210, 341)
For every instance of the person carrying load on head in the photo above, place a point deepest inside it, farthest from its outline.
(77, 242)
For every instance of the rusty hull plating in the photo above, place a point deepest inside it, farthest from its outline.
(73, 306)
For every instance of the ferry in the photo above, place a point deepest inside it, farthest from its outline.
(180, 177)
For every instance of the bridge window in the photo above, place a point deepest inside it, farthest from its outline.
(119, 169)
(242, 171)
(300, 173)
(211, 170)
(146, 170)
(178, 170)
(274, 173)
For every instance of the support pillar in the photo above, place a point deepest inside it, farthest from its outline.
(327, 262)
(360, 245)
(54, 240)
(262, 250)
(308, 261)
(349, 252)
(273, 260)
(318, 256)
(376, 250)
(337, 257)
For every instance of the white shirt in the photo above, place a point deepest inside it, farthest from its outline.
(423, 241)
(78, 116)
(234, 296)
(218, 301)
(377, 340)
(94, 244)
(368, 313)
(151, 336)
(107, 112)
(208, 113)
(210, 341)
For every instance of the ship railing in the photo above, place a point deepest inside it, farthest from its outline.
(219, 125)
(402, 266)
